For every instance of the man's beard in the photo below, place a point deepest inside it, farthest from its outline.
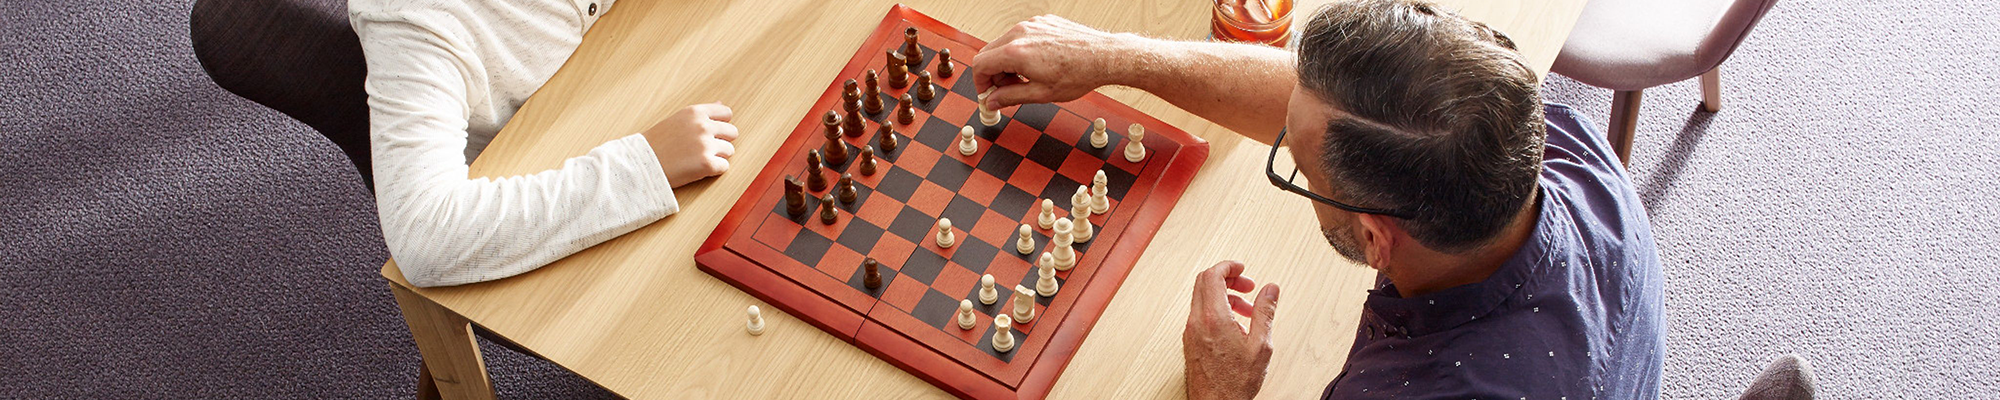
(1344, 244)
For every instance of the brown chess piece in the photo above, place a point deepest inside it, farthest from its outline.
(850, 96)
(913, 56)
(867, 166)
(815, 181)
(944, 63)
(898, 69)
(905, 114)
(871, 94)
(871, 273)
(846, 186)
(923, 88)
(795, 198)
(836, 151)
(885, 138)
(826, 213)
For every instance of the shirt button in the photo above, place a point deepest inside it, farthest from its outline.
(593, 9)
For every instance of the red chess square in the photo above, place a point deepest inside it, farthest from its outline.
(996, 229)
(892, 251)
(931, 198)
(1070, 128)
(880, 210)
(981, 187)
(777, 232)
(1081, 167)
(917, 158)
(1007, 270)
(955, 108)
(1031, 176)
(904, 293)
(829, 231)
(840, 262)
(955, 280)
(1019, 137)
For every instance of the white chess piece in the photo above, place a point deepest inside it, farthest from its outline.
(1081, 230)
(944, 236)
(987, 294)
(966, 145)
(1098, 139)
(1025, 244)
(1047, 259)
(1065, 256)
(1100, 199)
(1047, 285)
(1134, 150)
(1024, 304)
(1003, 333)
(756, 324)
(966, 318)
(987, 116)
(1048, 218)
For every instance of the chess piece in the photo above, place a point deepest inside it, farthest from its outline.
(944, 63)
(815, 181)
(1100, 191)
(966, 318)
(1065, 255)
(851, 124)
(850, 96)
(871, 95)
(836, 150)
(987, 294)
(898, 69)
(1098, 139)
(905, 112)
(1047, 285)
(1048, 218)
(1134, 150)
(885, 138)
(871, 273)
(966, 145)
(923, 88)
(987, 116)
(1003, 333)
(846, 188)
(1025, 243)
(867, 166)
(756, 324)
(795, 197)
(1079, 210)
(826, 213)
(944, 236)
(1047, 259)
(1024, 304)
(913, 56)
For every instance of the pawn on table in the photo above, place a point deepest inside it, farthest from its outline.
(1025, 243)
(966, 318)
(756, 324)
(1080, 212)
(1047, 285)
(1100, 193)
(966, 144)
(987, 293)
(1003, 333)
(1024, 304)
(1048, 218)
(944, 236)
(1098, 138)
(1135, 151)
(1065, 255)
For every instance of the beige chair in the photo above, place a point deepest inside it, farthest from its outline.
(1631, 45)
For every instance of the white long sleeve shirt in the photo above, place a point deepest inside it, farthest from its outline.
(443, 77)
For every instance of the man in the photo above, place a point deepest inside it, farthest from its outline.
(1516, 260)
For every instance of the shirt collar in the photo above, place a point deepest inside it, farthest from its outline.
(1449, 308)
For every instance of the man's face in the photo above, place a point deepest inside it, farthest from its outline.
(1305, 120)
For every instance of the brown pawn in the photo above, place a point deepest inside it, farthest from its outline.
(904, 113)
(795, 197)
(836, 151)
(867, 166)
(898, 69)
(846, 186)
(871, 95)
(944, 63)
(871, 273)
(850, 96)
(815, 181)
(826, 214)
(885, 138)
(924, 92)
(912, 55)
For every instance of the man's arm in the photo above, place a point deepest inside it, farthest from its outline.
(1049, 59)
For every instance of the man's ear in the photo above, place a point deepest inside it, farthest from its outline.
(1378, 236)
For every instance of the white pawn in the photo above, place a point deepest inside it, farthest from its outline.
(1100, 200)
(1065, 256)
(967, 146)
(966, 318)
(1098, 139)
(987, 294)
(756, 324)
(987, 116)
(1047, 286)
(1024, 304)
(1003, 333)
(944, 237)
(1048, 218)
(1081, 230)
(1026, 243)
(1134, 150)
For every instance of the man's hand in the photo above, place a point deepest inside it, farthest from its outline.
(1226, 360)
(1050, 59)
(693, 143)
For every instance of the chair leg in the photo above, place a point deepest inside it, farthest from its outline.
(1711, 90)
(1624, 120)
(427, 389)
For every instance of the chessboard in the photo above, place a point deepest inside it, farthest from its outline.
(785, 243)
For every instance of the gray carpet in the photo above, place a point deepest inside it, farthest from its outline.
(164, 238)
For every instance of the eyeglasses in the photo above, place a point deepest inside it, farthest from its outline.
(1285, 182)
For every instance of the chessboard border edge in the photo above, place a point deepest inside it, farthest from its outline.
(964, 381)
(781, 292)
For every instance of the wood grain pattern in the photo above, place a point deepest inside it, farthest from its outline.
(636, 316)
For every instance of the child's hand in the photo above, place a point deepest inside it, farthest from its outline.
(694, 143)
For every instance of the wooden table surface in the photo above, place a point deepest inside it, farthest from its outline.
(636, 316)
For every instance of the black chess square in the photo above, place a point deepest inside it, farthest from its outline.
(899, 184)
(913, 225)
(1036, 115)
(808, 247)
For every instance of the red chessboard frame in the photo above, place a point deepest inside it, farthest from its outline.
(732, 254)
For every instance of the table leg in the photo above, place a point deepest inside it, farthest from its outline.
(451, 354)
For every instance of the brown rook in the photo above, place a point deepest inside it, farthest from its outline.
(912, 55)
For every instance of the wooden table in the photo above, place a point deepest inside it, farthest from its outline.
(635, 316)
